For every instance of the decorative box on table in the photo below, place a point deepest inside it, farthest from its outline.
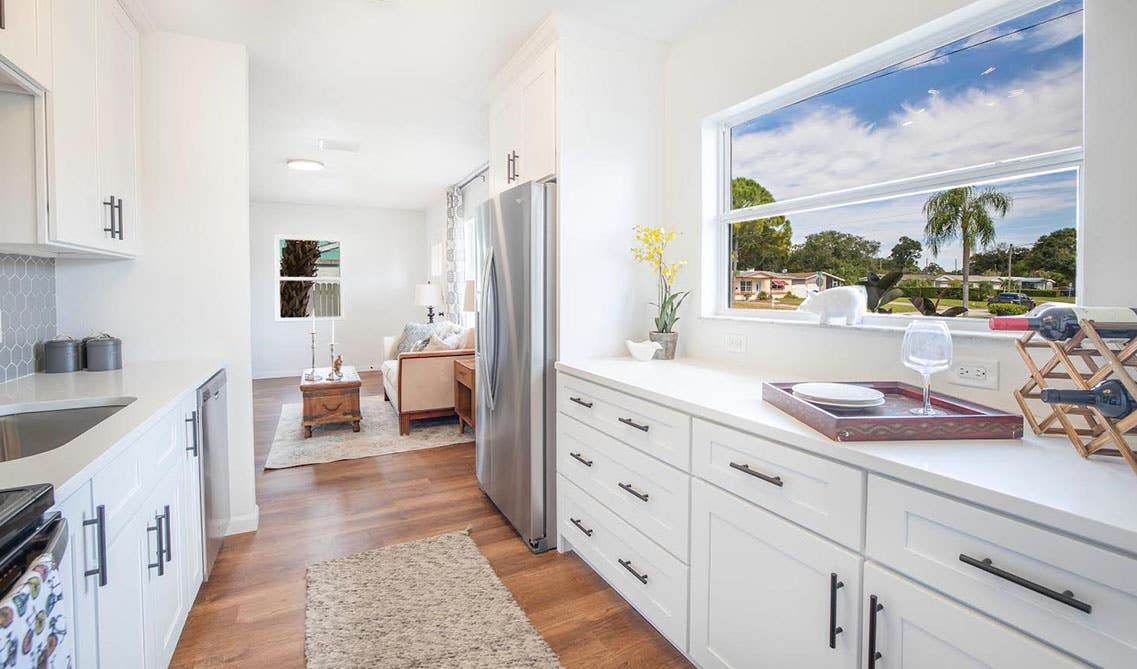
(894, 421)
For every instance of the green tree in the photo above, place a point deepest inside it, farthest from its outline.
(845, 255)
(933, 268)
(1056, 252)
(761, 243)
(905, 256)
(964, 214)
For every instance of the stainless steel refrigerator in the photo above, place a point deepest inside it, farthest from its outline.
(516, 346)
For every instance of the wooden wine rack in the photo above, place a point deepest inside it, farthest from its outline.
(1081, 362)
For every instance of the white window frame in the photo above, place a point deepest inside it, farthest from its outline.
(276, 240)
(718, 284)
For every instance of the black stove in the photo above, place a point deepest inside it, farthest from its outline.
(21, 511)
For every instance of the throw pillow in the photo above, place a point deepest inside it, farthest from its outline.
(436, 344)
(413, 334)
(468, 339)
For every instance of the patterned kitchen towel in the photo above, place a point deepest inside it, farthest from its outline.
(33, 620)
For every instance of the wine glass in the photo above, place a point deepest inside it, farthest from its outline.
(927, 349)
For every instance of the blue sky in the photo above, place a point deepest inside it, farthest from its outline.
(1012, 90)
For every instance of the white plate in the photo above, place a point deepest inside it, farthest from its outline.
(842, 405)
(842, 394)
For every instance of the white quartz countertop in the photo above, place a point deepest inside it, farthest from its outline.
(156, 387)
(1040, 479)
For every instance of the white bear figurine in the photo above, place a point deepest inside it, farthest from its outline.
(848, 302)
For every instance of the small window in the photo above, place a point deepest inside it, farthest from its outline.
(308, 278)
(959, 167)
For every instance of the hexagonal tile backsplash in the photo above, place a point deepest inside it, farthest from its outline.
(27, 312)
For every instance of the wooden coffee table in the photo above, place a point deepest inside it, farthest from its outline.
(330, 400)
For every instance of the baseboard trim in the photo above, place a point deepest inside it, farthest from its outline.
(246, 523)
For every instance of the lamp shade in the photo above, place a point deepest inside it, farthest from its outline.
(427, 295)
(468, 298)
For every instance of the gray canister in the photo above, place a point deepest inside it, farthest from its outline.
(103, 353)
(62, 355)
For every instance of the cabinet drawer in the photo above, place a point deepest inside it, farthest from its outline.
(946, 544)
(464, 375)
(823, 496)
(121, 486)
(654, 429)
(652, 581)
(652, 496)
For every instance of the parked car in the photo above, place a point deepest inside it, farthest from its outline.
(1012, 298)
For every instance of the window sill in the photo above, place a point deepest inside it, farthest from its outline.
(958, 330)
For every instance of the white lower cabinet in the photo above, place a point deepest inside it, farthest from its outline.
(765, 592)
(916, 628)
(135, 552)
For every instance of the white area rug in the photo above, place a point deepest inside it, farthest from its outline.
(430, 603)
(379, 435)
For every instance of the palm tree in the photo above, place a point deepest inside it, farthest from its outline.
(964, 214)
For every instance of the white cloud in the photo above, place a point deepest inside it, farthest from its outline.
(828, 148)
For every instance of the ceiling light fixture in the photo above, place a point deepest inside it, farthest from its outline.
(305, 164)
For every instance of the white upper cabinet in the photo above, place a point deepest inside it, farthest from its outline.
(25, 38)
(523, 126)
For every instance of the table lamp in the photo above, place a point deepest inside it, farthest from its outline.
(428, 295)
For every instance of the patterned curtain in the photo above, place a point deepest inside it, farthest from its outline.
(455, 254)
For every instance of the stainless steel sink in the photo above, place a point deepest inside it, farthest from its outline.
(31, 429)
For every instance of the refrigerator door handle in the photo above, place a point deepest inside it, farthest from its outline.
(486, 316)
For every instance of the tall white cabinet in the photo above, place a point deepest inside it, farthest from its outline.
(136, 548)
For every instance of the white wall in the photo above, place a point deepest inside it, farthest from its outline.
(435, 224)
(722, 63)
(610, 94)
(187, 295)
(380, 251)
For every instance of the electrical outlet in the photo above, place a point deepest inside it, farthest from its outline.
(975, 373)
(735, 343)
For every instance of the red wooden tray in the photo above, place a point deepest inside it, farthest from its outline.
(893, 421)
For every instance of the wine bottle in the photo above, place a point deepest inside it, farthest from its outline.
(1059, 322)
(1109, 397)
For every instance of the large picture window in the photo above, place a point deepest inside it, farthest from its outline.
(308, 278)
(946, 179)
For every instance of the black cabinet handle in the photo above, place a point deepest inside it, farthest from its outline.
(109, 202)
(192, 420)
(874, 607)
(168, 543)
(516, 174)
(509, 168)
(580, 459)
(627, 487)
(775, 480)
(582, 528)
(160, 563)
(834, 630)
(1066, 597)
(631, 423)
(586, 405)
(100, 523)
(627, 564)
(3, 21)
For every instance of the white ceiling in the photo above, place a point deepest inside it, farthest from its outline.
(404, 78)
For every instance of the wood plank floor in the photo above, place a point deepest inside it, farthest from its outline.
(251, 611)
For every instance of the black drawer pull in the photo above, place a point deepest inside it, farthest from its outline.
(582, 528)
(627, 487)
(586, 405)
(168, 542)
(776, 480)
(834, 630)
(627, 564)
(874, 607)
(100, 523)
(1065, 597)
(579, 458)
(631, 423)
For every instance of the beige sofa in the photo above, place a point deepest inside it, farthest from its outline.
(420, 385)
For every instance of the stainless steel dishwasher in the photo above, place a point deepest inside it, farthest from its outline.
(213, 436)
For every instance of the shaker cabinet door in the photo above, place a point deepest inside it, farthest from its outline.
(25, 39)
(916, 628)
(766, 593)
(118, 82)
(122, 619)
